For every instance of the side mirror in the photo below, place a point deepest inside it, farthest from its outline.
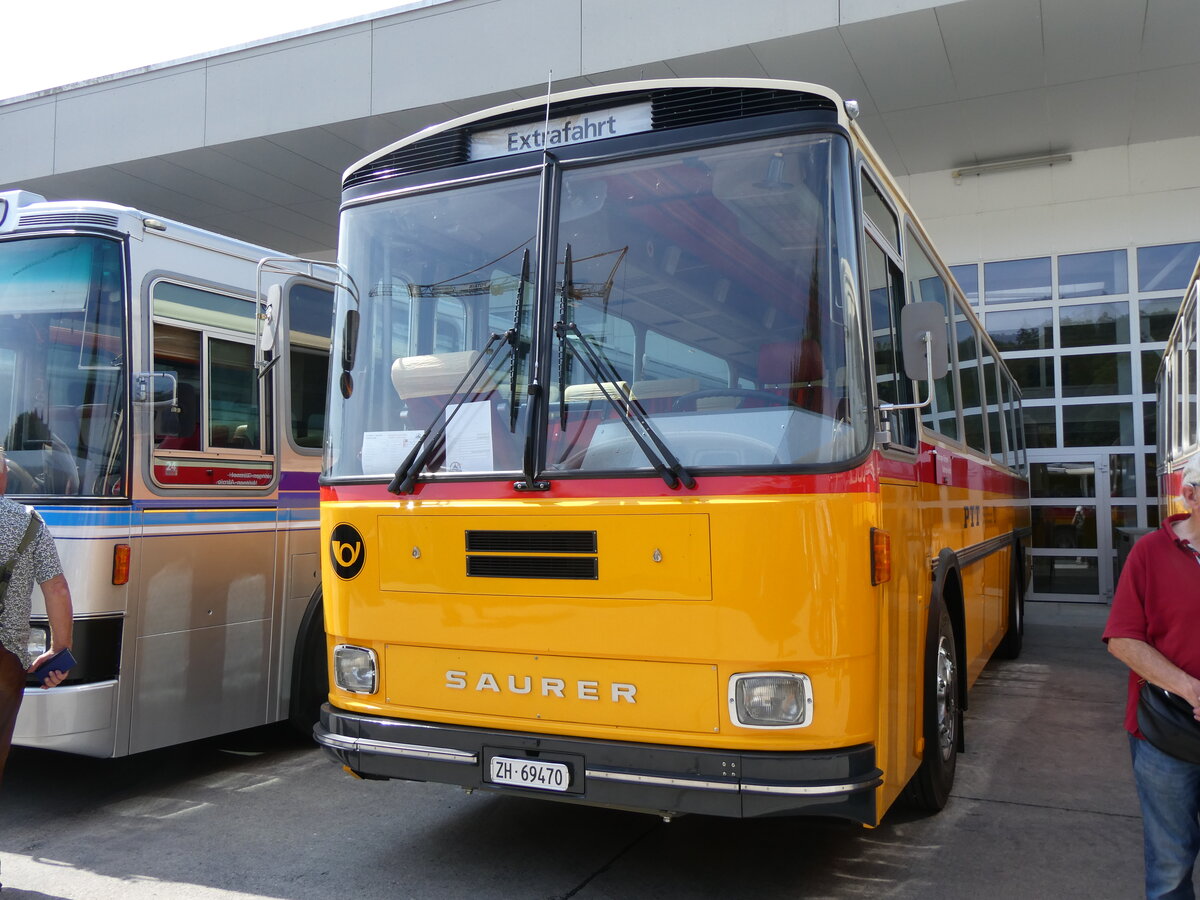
(923, 341)
(270, 318)
(349, 339)
(155, 388)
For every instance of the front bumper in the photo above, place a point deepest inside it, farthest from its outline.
(654, 778)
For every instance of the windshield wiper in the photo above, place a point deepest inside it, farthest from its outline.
(405, 478)
(603, 373)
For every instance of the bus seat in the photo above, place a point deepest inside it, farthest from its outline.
(657, 395)
(425, 383)
(181, 425)
(795, 370)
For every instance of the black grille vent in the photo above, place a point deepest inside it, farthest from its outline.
(697, 106)
(671, 108)
(40, 220)
(445, 149)
(531, 542)
(578, 568)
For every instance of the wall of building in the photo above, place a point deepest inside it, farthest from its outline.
(1101, 248)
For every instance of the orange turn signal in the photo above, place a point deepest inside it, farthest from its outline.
(881, 556)
(120, 564)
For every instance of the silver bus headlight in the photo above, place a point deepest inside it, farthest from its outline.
(770, 700)
(354, 669)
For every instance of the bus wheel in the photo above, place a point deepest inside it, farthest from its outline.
(1010, 645)
(310, 668)
(930, 787)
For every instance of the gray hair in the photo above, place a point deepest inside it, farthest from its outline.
(1191, 471)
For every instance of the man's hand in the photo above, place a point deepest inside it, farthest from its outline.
(55, 678)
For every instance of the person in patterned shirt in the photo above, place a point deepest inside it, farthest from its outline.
(39, 562)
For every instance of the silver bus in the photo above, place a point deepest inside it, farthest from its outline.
(162, 402)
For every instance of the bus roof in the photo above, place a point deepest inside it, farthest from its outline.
(24, 211)
(583, 94)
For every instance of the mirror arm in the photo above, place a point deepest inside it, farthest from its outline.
(886, 408)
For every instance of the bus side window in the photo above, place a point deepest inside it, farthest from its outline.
(885, 286)
(207, 342)
(925, 284)
(177, 350)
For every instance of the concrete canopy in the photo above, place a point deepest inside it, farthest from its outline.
(252, 142)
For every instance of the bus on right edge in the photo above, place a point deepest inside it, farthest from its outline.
(1178, 411)
(667, 467)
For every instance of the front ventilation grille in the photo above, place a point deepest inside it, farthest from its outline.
(41, 220)
(546, 554)
(446, 149)
(681, 107)
(670, 108)
(577, 568)
(531, 542)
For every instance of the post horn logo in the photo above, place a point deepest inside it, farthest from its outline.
(346, 551)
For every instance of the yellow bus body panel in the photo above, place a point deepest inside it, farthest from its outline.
(789, 590)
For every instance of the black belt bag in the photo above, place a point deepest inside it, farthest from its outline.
(1167, 722)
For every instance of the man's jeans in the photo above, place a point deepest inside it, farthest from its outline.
(1169, 791)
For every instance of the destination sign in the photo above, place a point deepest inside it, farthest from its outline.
(561, 132)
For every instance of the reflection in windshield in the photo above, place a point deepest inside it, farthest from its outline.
(62, 365)
(703, 316)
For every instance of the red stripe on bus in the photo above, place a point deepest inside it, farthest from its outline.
(943, 468)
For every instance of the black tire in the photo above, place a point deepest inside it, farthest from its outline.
(930, 787)
(310, 668)
(1014, 636)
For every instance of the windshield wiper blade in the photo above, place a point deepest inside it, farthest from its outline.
(515, 362)
(405, 478)
(602, 372)
(669, 468)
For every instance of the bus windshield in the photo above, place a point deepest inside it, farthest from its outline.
(702, 310)
(62, 365)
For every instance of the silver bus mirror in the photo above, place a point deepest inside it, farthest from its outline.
(923, 341)
(155, 388)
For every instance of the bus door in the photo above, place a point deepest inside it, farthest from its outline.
(901, 597)
(1074, 521)
(206, 574)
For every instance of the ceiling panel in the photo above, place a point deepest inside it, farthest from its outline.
(993, 47)
(903, 60)
(1004, 126)
(1093, 113)
(1172, 33)
(1101, 38)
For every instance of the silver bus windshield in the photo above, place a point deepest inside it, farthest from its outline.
(702, 316)
(62, 365)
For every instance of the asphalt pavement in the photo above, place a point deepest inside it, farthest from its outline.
(1043, 806)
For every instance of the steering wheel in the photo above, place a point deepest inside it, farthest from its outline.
(688, 401)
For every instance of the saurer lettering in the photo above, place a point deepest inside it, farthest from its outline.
(561, 688)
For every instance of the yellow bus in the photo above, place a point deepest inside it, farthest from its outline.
(1178, 411)
(667, 468)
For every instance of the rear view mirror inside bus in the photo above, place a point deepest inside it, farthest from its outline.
(923, 337)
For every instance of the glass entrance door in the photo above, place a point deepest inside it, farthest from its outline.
(1073, 526)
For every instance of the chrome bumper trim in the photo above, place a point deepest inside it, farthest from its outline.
(661, 781)
(387, 748)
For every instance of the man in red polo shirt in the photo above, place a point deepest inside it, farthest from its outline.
(1154, 628)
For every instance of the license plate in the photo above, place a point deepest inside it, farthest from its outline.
(530, 773)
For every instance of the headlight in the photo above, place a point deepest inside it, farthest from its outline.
(39, 640)
(354, 669)
(770, 700)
